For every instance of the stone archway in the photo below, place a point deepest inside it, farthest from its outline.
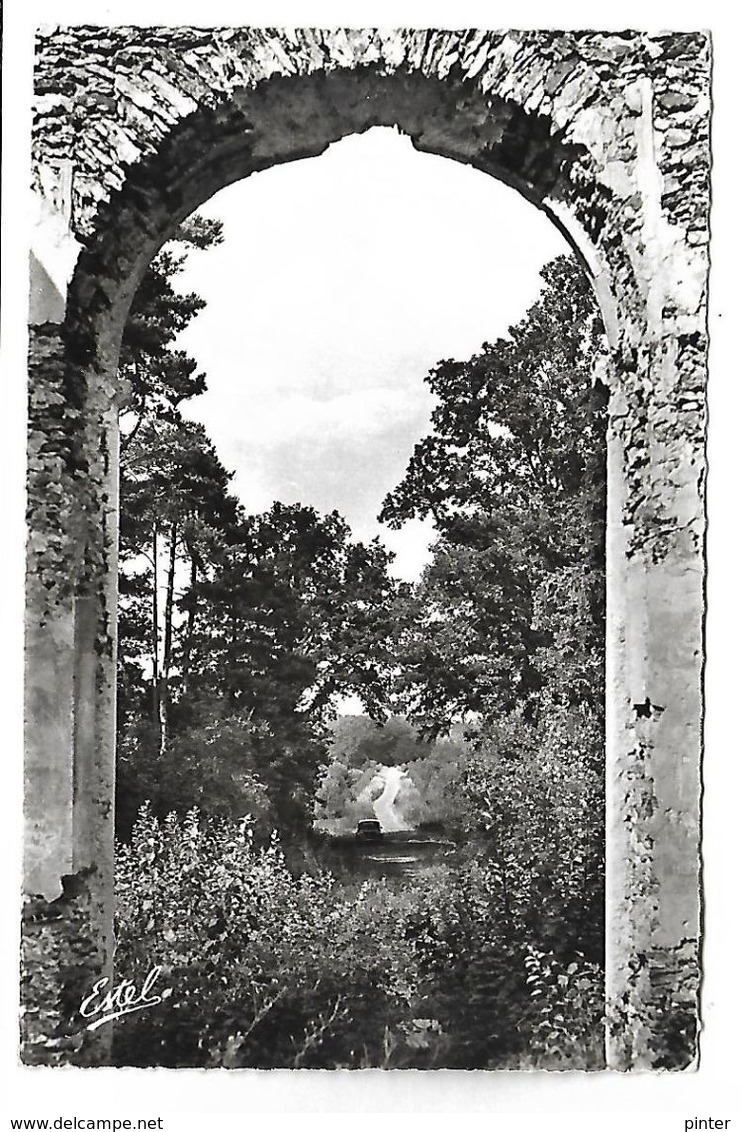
(608, 134)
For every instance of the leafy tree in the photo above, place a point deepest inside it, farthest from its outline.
(357, 740)
(291, 614)
(161, 377)
(335, 794)
(166, 463)
(176, 511)
(213, 766)
(345, 795)
(227, 621)
(296, 614)
(435, 778)
(513, 475)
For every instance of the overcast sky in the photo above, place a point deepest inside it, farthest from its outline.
(341, 280)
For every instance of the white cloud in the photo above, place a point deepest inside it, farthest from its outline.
(341, 281)
(276, 418)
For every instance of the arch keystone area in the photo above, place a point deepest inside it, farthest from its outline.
(605, 132)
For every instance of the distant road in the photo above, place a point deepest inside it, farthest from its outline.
(391, 819)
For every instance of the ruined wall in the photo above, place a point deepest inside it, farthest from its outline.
(608, 133)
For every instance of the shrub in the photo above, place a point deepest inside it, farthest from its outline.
(533, 802)
(228, 767)
(567, 1029)
(499, 1001)
(492, 961)
(266, 969)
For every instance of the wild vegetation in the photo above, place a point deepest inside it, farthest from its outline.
(482, 683)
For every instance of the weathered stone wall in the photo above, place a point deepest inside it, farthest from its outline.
(608, 134)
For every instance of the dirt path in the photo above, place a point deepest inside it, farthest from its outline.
(390, 817)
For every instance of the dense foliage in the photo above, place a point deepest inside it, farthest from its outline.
(236, 632)
(513, 475)
(262, 968)
(482, 686)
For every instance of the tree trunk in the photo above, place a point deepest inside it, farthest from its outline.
(155, 636)
(168, 643)
(190, 626)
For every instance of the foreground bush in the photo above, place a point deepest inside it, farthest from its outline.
(266, 969)
(498, 999)
(532, 799)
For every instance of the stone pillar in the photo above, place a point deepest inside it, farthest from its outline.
(655, 562)
(70, 758)
(655, 607)
(69, 679)
(653, 743)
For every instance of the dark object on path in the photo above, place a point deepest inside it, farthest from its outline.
(369, 830)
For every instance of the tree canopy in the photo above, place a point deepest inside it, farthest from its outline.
(253, 627)
(512, 473)
(243, 628)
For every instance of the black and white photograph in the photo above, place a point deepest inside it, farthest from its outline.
(365, 547)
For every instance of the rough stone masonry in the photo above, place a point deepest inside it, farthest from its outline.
(609, 135)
